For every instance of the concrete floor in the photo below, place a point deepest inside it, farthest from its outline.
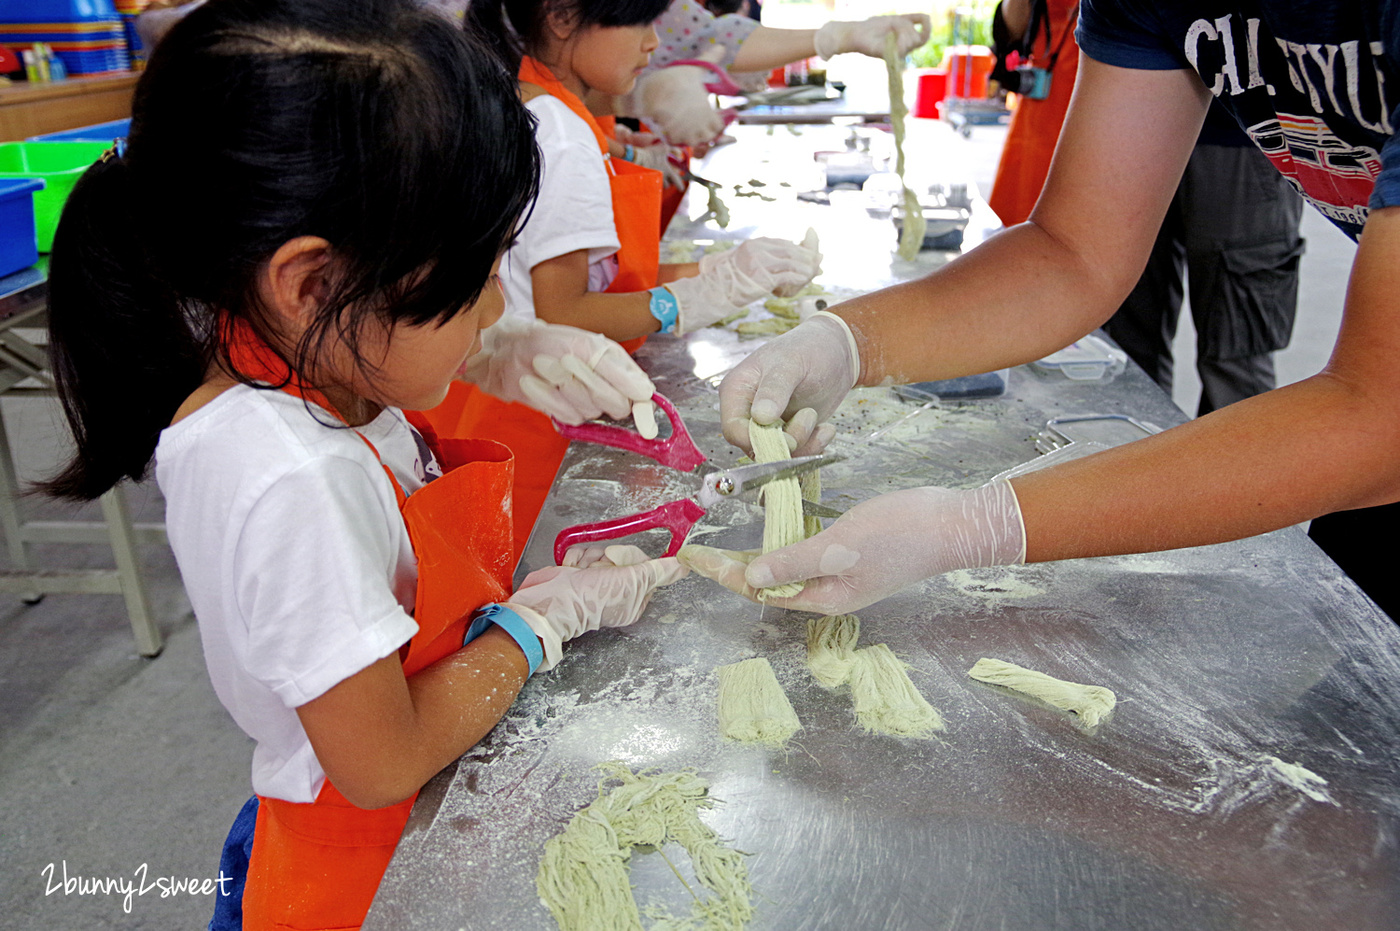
(126, 768)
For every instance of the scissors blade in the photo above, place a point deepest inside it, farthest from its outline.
(813, 509)
(728, 483)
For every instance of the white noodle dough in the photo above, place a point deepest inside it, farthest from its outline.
(752, 705)
(782, 498)
(1091, 703)
(886, 701)
(831, 648)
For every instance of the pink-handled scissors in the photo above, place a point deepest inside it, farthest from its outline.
(679, 452)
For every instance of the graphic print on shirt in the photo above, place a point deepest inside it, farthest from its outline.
(425, 464)
(1320, 111)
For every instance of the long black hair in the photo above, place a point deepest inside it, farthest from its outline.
(514, 27)
(376, 125)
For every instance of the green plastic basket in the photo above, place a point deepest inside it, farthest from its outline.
(59, 165)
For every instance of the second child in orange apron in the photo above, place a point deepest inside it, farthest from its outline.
(588, 254)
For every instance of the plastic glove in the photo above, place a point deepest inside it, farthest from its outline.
(813, 365)
(878, 547)
(560, 602)
(585, 555)
(674, 100)
(651, 152)
(562, 371)
(730, 280)
(657, 157)
(868, 36)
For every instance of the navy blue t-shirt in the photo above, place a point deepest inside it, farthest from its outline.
(1314, 84)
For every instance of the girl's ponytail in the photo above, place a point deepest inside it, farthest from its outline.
(122, 352)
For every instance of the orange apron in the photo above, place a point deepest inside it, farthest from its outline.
(317, 865)
(671, 197)
(1035, 127)
(538, 447)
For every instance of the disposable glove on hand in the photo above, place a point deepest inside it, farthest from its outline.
(562, 371)
(813, 365)
(868, 36)
(585, 555)
(878, 547)
(651, 152)
(657, 157)
(674, 100)
(730, 280)
(560, 602)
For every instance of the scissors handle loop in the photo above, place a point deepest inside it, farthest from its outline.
(676, 516)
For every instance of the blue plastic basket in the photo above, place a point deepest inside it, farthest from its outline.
(98, 132)
(19, 246)
(56, 11)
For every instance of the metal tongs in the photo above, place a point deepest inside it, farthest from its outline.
(678, 451)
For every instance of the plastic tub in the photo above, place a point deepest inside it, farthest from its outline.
(17, 244)
(58, 165)
(932, 87)
(969, 69)
(1087, 359)
(105, 133)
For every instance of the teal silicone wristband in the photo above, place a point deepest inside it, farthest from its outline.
(629, 153)
(666, 308)
(513, 624)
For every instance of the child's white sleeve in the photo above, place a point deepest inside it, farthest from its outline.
(319, 578)
(574, 207)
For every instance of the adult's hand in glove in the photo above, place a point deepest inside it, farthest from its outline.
(868, 36)
(754, 269)
(878, 547)
(811, 366)
(674, 100)
(570, 374)
(562, 602)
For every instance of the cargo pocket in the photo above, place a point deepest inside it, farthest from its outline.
(1250, 297)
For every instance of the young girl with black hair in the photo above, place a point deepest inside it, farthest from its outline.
(300, 241)
(588, 256)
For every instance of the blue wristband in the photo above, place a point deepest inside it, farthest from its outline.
(513, 624)
(665, 307)
(629, 153)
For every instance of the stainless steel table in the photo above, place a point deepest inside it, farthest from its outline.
(1169, 815)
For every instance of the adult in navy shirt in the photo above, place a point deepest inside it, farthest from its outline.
(1314, 85)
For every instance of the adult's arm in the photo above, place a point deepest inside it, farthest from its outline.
(1327, 443)
(1324, 444)
(1038, 286)
(1025, 293)
(1330, 442)
(767, 48)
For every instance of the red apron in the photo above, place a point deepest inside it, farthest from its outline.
(317, 865)
(538, 447)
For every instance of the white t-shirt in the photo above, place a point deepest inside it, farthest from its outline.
(295, 556)
(573, 210)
